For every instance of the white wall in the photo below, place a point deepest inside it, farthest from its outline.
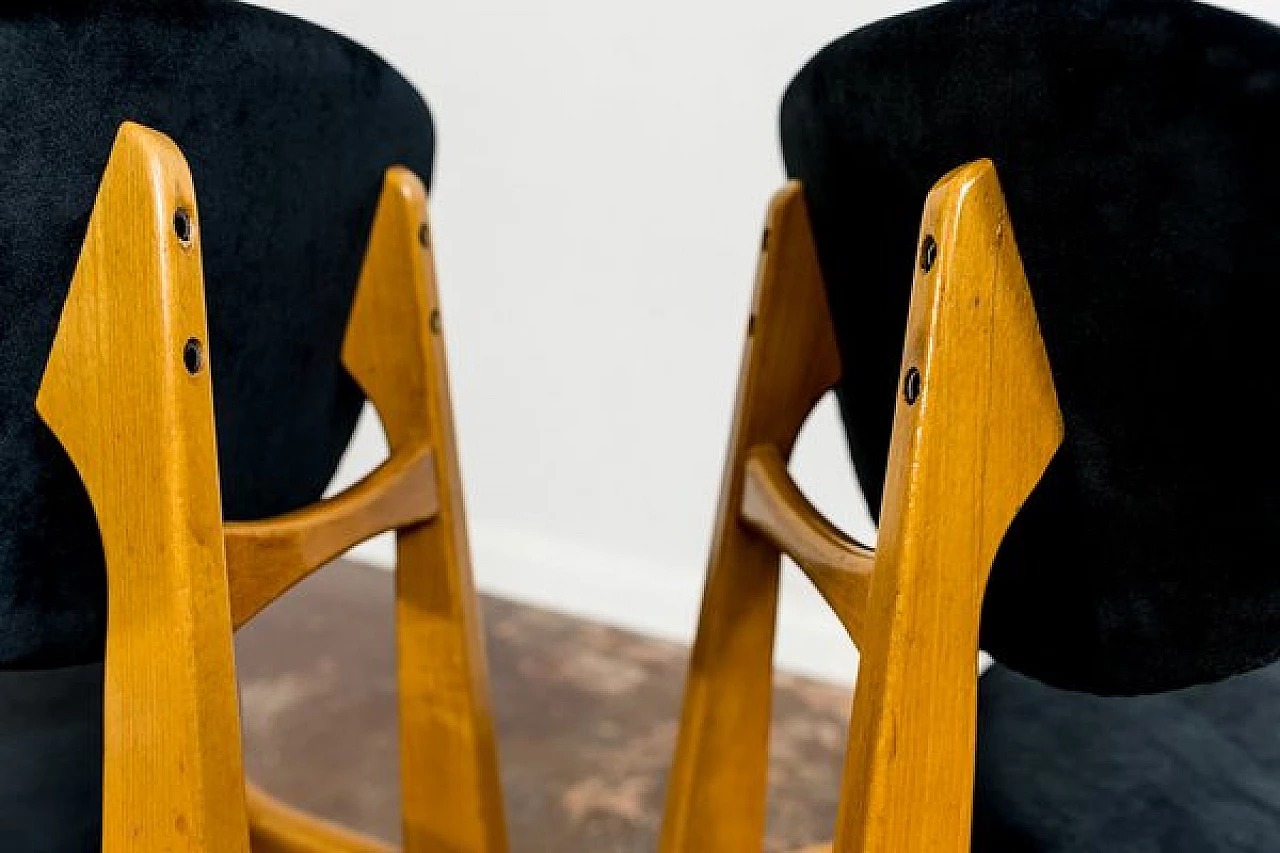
(601, 179)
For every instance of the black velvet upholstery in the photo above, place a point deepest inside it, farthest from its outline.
(288, 129)
(1192, 771)
(1136, 143)
(51, 760)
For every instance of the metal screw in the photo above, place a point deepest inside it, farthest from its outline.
(193, 356)
(436, 322)
(911, 386)
(424, 236)
(183, 226)
(928, 253)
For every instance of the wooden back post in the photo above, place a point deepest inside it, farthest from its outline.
(127, 392)
(976, 424)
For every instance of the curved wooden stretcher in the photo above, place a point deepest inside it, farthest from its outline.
(976, 423)
(130, 349)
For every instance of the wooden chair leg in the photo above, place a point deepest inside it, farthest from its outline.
(394, 347)
(395, 350)
(716, 790)
(130, 350)
(976, 425)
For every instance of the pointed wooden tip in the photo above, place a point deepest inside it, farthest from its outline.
(973, 312)
(406, 184)
(393, 330)
(137, 293)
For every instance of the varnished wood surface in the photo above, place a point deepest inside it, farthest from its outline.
(394, 347)
(716, 789)
(132, 349)
(278, 828)
(266, 558)
(139, 428)
(775, 507)
(966, 452)
(976, 424)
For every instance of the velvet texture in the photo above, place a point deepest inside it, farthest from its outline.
(51, 760)
(288, 130)
(1136, 145)
(1191, 771)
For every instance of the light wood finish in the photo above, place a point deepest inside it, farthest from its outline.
(139, 428)
(127, 391)
(277, 828)
(269, 557)
(962, 461)
(968, 446)
(716, 791)
(775, 507)
(395, 349)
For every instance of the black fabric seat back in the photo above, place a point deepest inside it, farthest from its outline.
(1136, 143)
(288, 130)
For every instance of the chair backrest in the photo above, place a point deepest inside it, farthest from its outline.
(130, 352)
(976, 424)
(289, 131)
(1135, 141)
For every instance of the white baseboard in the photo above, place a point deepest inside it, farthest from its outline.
(652, 598)
(649, 597)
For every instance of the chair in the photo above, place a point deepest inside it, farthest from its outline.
(1062, 450)
(120, 581)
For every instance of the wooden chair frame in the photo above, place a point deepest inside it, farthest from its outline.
(127, 392)
(976, 423)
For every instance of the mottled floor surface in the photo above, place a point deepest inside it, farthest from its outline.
(586, 721)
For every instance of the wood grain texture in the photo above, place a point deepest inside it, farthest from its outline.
(774, 506)
(716, 790)
(267, 558)
(964, 457)
(139, 428)
(972, 437)
(394, 348)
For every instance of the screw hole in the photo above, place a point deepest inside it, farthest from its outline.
(183, 226)
(911, 386)
(193, 356)
(436, 322)
(764, 241)
(424, 235)
(928, 253)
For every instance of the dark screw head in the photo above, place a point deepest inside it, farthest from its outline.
(183, 226)
(764, 241)
(436, 322)
(193, 356)
(424, 236)
(911, 386)
(928, 253)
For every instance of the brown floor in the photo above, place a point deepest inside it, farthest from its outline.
(586, 721)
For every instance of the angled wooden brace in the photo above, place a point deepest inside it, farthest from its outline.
(134, 300)
(977, 423)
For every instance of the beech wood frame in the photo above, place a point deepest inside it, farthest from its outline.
(127, 392)
(976, 423)
(975, 426)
